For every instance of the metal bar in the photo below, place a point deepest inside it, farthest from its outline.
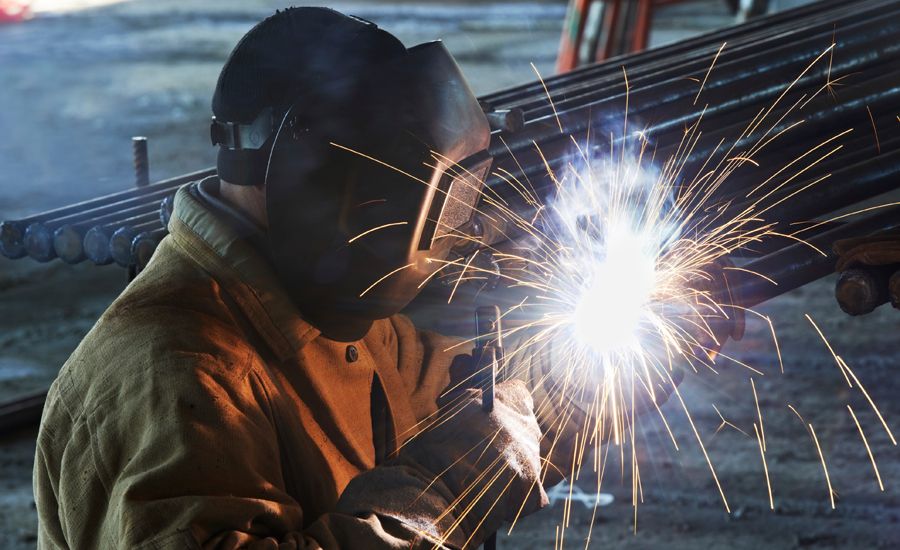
(69, 239)
(799, 264)
(860, 290)
(38, 241)
(12, 232)
(98, 241)
(144, 245)
(21, 412)
(869, 43)
(120, 243)
(881, 93)
(704, 45)
(141, 161)
(670, 58)
(642, 29)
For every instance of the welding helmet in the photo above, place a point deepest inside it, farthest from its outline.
(374, 166)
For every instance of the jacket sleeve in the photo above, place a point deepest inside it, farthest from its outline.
(425, 362)
(191, 459)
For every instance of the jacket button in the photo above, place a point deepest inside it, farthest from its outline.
(352, 354)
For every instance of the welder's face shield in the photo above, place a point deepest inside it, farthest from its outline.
(370, 185)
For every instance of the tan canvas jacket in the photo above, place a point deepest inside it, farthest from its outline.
(202, 410)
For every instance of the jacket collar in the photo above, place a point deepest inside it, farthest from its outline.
(217, 244)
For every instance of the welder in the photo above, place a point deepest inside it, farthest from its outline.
(249, 389)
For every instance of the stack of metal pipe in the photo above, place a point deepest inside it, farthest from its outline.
(114, 228)
(764, 68)
(733, 76)
(758, 63)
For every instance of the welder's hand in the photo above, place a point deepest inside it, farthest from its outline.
(489, 463)
(715, 324)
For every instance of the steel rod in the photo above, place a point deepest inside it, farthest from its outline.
(97, 241)
(12, 232)
(708, 43)
(799, 264)
(120, 245)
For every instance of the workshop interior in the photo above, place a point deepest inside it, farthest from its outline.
(462, 274)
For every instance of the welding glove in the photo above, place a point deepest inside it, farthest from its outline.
(560, 415)
(714, 325)
(475, 470)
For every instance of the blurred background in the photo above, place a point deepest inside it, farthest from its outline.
(78, 78)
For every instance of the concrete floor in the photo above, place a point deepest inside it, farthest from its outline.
(76, 85)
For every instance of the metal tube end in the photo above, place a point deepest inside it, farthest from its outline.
(11, 240)
(96, 245)
(39, 242)
(68, 244)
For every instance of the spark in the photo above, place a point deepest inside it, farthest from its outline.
(837, 359)
(874, 129)
(376, 283)
(549, 98)
(874, 407)
(374, 229)
(862, 435)
(762, 430)
(463, 272)
(848, 373)
(712, 468)
(812, 431)
(713, 64)
(618, 268)
(762, 455)
(726, 423)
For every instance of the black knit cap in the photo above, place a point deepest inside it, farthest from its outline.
(295, 53)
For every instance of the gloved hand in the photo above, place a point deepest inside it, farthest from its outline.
(479, 469)
(715, 325)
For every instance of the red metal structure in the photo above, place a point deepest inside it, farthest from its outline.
(595, 30)
(12, 11)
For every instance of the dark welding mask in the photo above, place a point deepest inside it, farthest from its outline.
(370, 181)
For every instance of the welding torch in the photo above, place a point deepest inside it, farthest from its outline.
(488, 355)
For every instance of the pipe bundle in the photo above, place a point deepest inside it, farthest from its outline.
(535, 125)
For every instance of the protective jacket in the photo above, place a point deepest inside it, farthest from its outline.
(203, 409)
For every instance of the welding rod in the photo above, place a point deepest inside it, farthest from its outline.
(488, 354)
